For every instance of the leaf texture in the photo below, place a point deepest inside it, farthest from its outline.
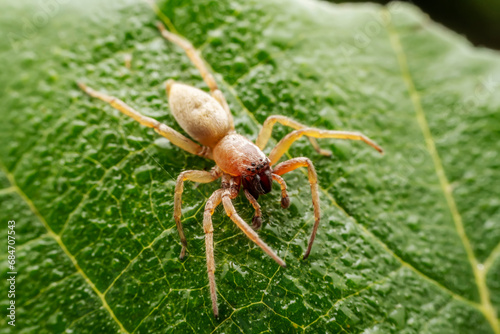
(409, 242)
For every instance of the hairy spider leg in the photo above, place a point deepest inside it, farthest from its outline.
(198, 62)
(291, 165)
(210, 207)
(199, 176)
(267, 129)
(285, 143)
(257, 218)
(175, 137)
(229, 194)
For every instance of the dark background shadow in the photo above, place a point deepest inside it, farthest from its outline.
(478, 20)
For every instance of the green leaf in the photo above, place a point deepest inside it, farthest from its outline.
(409, 241)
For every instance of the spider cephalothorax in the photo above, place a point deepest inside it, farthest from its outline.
(208, 120)
(238, 156)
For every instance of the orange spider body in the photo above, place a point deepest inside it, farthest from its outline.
(238, 156)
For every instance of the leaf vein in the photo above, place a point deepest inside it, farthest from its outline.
(135, 258)
(495, 253)
(51, 285)
(98, 183)
(368, 287)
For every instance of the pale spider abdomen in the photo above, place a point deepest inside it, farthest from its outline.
(199, 114)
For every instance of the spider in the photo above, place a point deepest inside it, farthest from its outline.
(239, 162)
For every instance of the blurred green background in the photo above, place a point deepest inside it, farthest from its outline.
(478, 20)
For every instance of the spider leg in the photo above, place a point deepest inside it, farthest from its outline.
(288, 140)
(212, 203)
(291, 165)
(267, 128)
(200, 176)
(175, 137)
(285, 200)
(198, 62)
(257, 219)
(229, 194)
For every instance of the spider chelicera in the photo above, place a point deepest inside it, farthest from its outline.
(208, 120)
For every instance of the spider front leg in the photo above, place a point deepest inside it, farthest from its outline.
(200, 65)
(291, 165)
(290, 138)
(267, 128)
(257, 218)
(212, 203)
(231, 193)
(200, 176)
(175, 137)
(285, 200)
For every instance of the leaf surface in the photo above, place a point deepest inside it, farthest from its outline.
(409, 241)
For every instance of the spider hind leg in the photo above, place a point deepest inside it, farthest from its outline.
(210, 207)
